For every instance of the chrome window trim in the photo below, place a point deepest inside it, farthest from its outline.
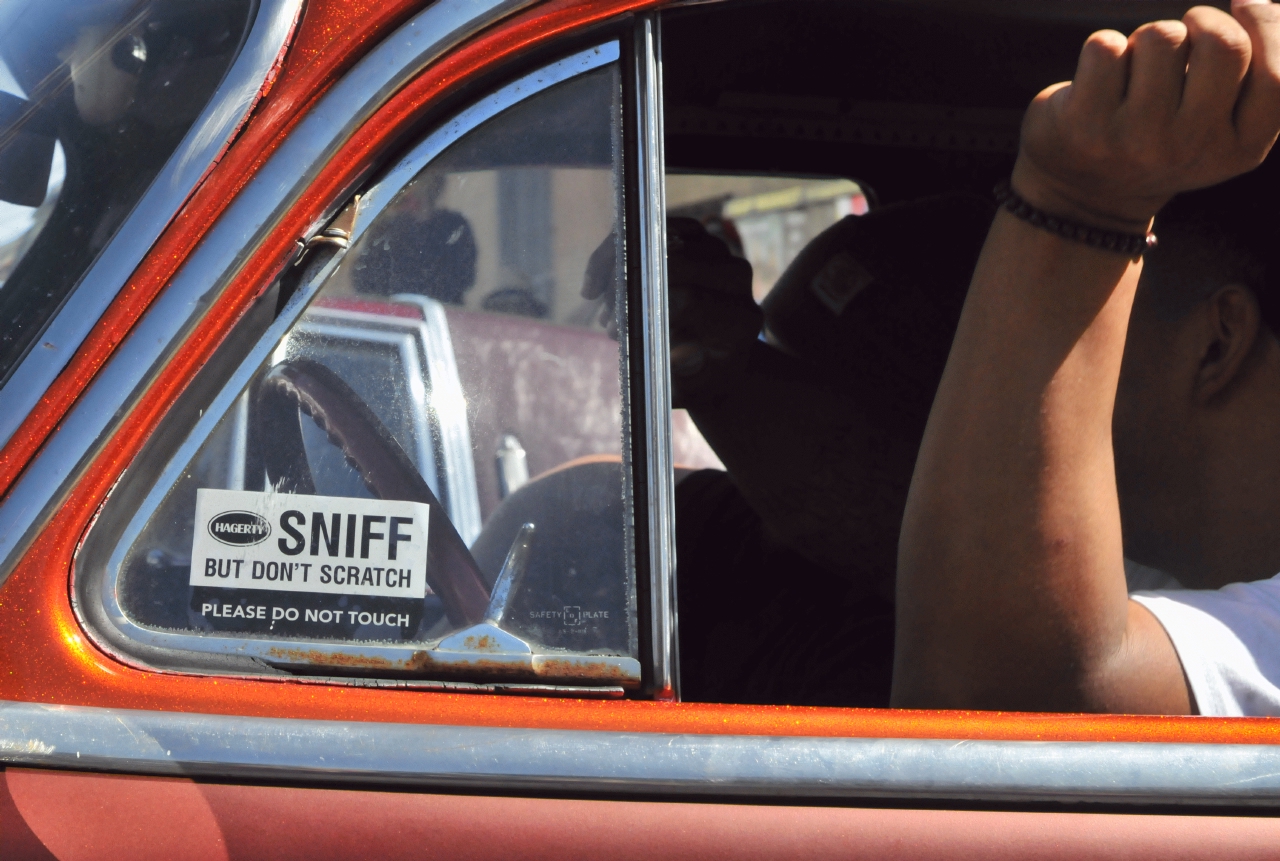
(507, 760)
(131, 641)
(255, 212)
(268, 36)
(656, 358)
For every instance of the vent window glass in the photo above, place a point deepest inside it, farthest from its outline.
(424, 474)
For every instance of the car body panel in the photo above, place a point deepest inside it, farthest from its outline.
(75, 814)
(57, 683)
(50, 660)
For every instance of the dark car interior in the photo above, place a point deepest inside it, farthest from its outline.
(786, 561)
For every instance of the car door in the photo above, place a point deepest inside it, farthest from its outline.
(417, 329)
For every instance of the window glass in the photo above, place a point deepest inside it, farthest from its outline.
(426, 475)
(766, 219)
(94, 97)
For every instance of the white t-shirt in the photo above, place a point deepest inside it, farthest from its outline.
(1227, 639)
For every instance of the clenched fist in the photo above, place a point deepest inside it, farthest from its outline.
(1178, 105)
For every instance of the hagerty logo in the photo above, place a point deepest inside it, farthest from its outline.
(239, 528)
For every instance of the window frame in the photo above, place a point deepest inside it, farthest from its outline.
(95, 581)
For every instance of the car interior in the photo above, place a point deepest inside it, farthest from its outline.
(786, 561)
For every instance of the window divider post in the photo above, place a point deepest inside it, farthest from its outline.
(654, 322)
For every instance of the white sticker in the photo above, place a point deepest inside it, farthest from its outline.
(288, 542)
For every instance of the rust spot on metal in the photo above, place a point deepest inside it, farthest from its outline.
(332, 659)
(477, 668)
(424, 662)
(581, 668)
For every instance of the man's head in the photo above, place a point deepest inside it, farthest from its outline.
(1197, 420)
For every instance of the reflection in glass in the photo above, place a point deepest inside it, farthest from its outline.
(94, 97)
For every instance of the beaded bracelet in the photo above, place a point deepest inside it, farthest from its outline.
(1129, 244)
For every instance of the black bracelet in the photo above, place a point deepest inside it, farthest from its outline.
(1129, 244)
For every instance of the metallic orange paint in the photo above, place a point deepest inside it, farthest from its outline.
(45, 657)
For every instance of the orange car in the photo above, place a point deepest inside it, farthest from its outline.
(341, 480)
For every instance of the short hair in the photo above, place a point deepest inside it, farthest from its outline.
(1226, 234)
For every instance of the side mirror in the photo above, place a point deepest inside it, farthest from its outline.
(27, 136)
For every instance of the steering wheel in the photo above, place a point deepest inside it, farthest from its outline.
(310, 387)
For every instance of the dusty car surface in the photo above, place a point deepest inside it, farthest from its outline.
(345, 509)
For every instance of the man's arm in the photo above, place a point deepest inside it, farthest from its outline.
(1011, 590)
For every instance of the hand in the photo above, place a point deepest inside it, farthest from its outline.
(1178, 105)
(714, 319)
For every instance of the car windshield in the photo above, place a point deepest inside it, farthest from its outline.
(94, 98)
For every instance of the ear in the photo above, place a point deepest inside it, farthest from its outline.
(1233, 324)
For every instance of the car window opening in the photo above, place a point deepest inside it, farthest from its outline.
(788, 556)
(818, 422)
